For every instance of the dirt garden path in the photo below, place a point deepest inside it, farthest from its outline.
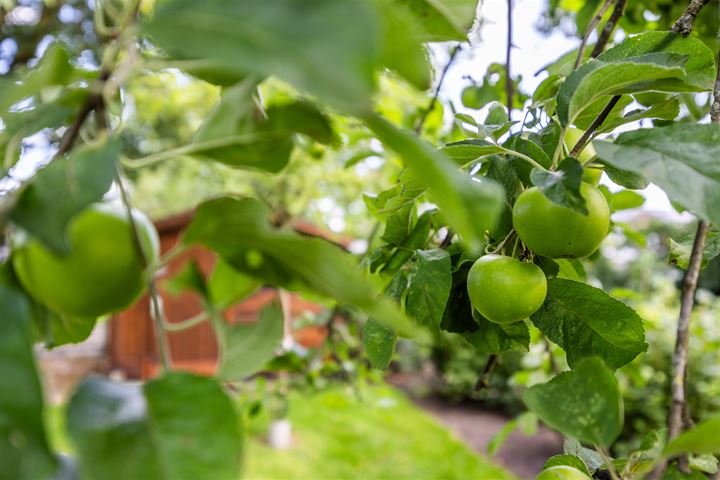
(522, 455)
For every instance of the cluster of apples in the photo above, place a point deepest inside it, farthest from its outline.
(505, 289)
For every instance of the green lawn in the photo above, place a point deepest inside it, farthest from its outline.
(338, 437)
(383, 437)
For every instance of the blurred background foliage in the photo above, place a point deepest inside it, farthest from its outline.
(324, 185)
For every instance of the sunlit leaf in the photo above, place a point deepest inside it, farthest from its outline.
(266, 38)
(673, 158)
(470, 207)
(585, 403)
(240, 231)
(586, 321)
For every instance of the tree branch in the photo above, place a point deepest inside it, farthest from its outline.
(509, 88)
(680, 356)
(684, 24)
(679, 411)
(580, 145)
(93, 101)
(433, 101)
(715, 108)
(609, 28)
(588, 31)
(483, 381)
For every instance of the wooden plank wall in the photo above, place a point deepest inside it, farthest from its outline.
(131, 343)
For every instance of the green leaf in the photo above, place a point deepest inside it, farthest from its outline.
(590, 114)
(590, 457)
(227, 286)
(585, 15)
(477, 97)
(238, 133)
(527, 421)
(194, 426)
(470, 207)
(563, 185)
(699, 68)
(503, 170)
(63, 329)
(430, 279)
(379, 342)
(546, 91)
(458, 314)
(498, 337)
(63, 189)
(444, 20)
(674, 473)
(417, 238)
(586, 321)
(248, 347)
(585, 403)
(667, 110)
(398, 226)
(571, 269)
(466, 151)
(625, 178)
(54, 68)
(679, 252)
(673, 158)
(183, 427)
(23, 123)
(566, 459)
(402, 49)
(530, 149)
(24, 450)
(266, 38)
(188, 278)
(240, 231)
(497, 115)
(590, 82)
(702, 438)
(625, 199)
(549, 266)
(402, 195)
(565, 64)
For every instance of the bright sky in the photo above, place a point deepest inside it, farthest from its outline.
(532, 51)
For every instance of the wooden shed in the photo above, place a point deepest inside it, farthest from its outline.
(131, 344)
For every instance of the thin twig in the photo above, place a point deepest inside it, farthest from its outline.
(484, 379)
(187, 323)
(588, 31)
(608, 462)
(509, 87)
(680, 356)
(158, 313)
(433, 101)
(551, 358)
(73, 131)
(447, 240)
(580, 145)
(715, 108)
(684, 24)
(609, 28)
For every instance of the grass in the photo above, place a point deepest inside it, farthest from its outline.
(338, 437)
